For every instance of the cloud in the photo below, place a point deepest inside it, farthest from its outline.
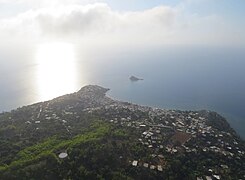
(38, 3)
(94, 20)
(80, 20)
(99, 24)
(99, 19)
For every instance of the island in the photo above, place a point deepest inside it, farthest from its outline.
(88, 135)
(133, 78)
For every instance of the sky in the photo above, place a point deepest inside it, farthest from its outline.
(148, 23)
(36, 31)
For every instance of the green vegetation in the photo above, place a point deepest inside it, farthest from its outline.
(94, 154)
(106, 139)
(102, 152)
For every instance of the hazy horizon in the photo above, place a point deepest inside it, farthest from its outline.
(195, 78)
(50, 48)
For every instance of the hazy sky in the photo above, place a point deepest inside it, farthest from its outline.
(127, 22)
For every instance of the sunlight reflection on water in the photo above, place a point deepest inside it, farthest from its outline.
(56, 74)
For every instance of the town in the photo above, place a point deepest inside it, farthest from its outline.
(166, 134)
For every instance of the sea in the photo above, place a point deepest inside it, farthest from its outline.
(185, 78)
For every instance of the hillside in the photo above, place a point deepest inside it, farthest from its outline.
(87, 135)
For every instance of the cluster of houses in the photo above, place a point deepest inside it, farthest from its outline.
(171, 130)
(160, 121)
(136, 163)
(160, 124)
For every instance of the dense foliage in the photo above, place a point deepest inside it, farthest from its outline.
(103, 151)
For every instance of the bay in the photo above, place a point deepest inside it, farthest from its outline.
(174, 78)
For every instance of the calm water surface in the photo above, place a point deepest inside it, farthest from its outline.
(174, 78)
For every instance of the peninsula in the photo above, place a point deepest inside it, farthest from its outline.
(88, 135)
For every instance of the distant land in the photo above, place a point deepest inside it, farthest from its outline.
(88, 135)
(133, 78)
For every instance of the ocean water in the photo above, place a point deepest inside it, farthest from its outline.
(174, 78)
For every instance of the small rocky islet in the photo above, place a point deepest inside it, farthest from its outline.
(134, 78)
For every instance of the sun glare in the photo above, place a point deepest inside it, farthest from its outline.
(56, 70)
